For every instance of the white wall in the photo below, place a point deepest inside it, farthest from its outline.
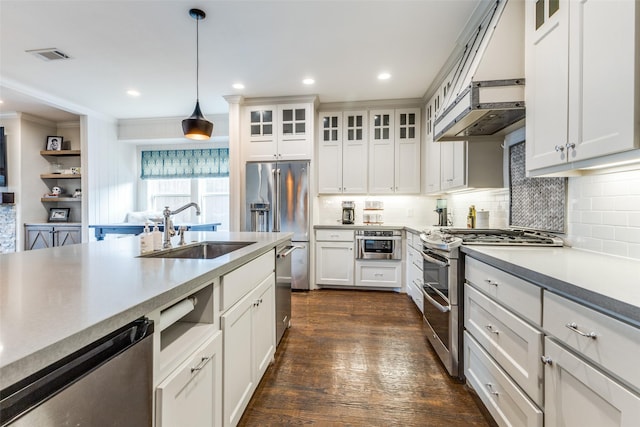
(112, 175)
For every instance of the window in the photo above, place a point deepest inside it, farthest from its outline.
(176, 177)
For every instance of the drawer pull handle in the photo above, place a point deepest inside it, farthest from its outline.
(203, 362)
(546, 360)
(574, 327)
(491, 282)
(492, 330)
(491, 390)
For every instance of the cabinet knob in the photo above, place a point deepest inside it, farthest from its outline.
(559, 148)
(570, 146)
(546, 360)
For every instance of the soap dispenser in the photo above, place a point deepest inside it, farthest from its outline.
(157, 238)
(146, 240)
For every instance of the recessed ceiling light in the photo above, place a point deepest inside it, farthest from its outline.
(308, 81)
(237, 86)
(384, 76)
(1, 101)
(133, 92)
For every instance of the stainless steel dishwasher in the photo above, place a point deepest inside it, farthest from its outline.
(107, 383)
(283, 288)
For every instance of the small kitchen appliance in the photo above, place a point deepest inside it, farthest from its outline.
(348, 212)
(441, 209)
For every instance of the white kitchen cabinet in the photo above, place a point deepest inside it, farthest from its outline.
(378, 273)
(503, 343)
(453, 156)
(578, 394)
(335, 257)
(515, 345)
(467, 165)
(342, 152)
(192, 394)
(249, 344)
(394, 151)
(432, 153)
(413, 270)
(278, 132)
(581, 71)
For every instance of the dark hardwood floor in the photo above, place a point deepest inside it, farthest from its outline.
(358, 358)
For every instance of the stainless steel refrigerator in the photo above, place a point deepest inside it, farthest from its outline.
(277, 199)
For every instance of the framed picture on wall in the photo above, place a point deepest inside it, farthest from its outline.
(54, 143)
(59, 214)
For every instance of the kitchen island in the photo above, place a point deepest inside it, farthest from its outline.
(55, 301)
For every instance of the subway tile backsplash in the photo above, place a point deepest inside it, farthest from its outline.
(604, 213)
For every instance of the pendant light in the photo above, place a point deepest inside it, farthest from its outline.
(196, 126)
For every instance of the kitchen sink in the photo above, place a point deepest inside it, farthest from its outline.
(199, 250)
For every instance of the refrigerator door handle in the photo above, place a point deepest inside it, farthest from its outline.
(277, 196)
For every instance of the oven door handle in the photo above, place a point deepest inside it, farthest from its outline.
(433, 302)
(433, 260)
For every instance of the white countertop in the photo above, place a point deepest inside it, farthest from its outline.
(609, 283)
(54, 301)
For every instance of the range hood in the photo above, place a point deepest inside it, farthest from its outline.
(483, 94)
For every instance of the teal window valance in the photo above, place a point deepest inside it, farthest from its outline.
(203, 163)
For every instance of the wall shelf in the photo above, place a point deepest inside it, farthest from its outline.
(61, 199)
(60, 176)
(61, 153)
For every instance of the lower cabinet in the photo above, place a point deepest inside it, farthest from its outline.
(334, 257)
(578, 394)
(249, 345)
(40, 236)
(192, 394)
(378, 273)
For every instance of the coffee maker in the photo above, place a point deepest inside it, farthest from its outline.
(348, 212)
(441, 209)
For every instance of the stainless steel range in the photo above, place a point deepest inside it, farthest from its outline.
(444, 280)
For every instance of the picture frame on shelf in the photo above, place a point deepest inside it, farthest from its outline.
(54, 143)
(59, 214)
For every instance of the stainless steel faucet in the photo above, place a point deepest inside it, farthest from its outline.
(169, 231)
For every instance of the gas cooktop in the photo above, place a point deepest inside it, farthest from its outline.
(449, 238)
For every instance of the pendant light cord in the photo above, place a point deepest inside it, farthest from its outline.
(197, 59)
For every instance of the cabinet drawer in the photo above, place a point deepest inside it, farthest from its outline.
(416, 295)
(241, 281)
(615, 346)
(508, 405)
(514, 344)
(386, 274)
(518, 295)
(191, 395)
(335, 235)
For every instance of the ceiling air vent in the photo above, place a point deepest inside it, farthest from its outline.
(51, 54)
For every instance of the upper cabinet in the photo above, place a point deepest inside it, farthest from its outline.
(432, 148)
(394, 151)
(582, 86)
(342, 152)
(279, 132)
